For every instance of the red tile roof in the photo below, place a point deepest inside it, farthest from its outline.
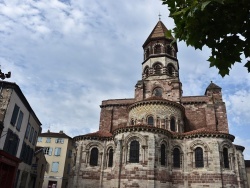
(99, 134)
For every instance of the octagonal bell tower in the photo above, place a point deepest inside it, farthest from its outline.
(160, 68)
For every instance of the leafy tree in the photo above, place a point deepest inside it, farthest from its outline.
(221, 25)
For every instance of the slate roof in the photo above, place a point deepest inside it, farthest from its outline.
(158, 32)
(54, 135)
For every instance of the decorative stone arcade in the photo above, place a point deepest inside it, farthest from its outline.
(160, 138)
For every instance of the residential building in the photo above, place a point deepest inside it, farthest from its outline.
(39, 166)
(20, 128)
(160, 138)
(58, 149)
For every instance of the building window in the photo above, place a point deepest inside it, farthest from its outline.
(199, 157)
(11, 143)
(19, 121)
(172, 124)
(94, 157)
(55, 166)
(14, 115)
(146, 71)
(151, 120)
(163, 154)
(132, 122)
(157, 68)
(27, 131)
(157, 92)
(31, 134)
(59, 140)
(157, 49)
(176, 158)
(147, 53)
(110, 155)
(57, 151)
(170, 70)
(225, 158)
(47, 150)
(40, 139)
(134, 152)
(169, 50)
(34, 138)
(48, 140)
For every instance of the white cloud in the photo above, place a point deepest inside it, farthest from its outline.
(68, 56)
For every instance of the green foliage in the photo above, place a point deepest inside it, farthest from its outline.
(221, 25)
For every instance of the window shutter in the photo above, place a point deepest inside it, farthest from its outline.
(19, 121)
(14, 115)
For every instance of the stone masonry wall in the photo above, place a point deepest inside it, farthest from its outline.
(149, 172)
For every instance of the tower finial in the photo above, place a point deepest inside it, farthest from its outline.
(159, 16)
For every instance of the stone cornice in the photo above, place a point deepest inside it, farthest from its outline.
(172, 135)
(111, 105)
(89, 137)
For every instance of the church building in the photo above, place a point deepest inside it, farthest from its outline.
(160, 138)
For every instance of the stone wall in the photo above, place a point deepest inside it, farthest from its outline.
(149, 172)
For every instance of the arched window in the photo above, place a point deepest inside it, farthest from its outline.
(176, 158)
(151, 120)
(157, 92)
(110, 160)
(134, 152)
(132, 122)
(157, 68)
(225, 158)
(170, 70)
(157, 49)
(147, 53)
(94, 157)
(146, 71)
(172, 124)
(199, 157)
(163, 154)
(169, 50)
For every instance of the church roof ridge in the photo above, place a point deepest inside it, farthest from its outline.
(159, 31)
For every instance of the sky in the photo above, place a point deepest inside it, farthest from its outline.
(67, 56)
